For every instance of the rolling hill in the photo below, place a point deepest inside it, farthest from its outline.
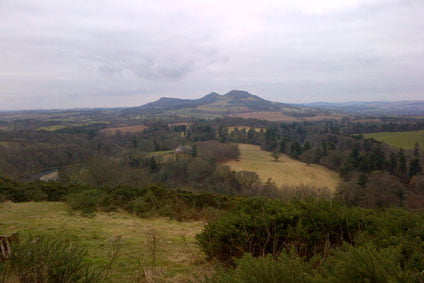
(236, 103)
(377, 108)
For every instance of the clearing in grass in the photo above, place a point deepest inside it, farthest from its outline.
(404, 140)
(286, 171)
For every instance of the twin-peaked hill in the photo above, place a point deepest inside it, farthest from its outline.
(235, 103)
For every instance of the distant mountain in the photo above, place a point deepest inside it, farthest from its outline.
(376, 108)
(235, 100)
(236, 103)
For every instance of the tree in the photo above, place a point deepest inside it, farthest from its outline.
(417, 150)
(276, 155)
(414, 167)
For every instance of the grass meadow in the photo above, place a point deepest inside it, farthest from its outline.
(404, 140)
(176, 259)
(286, 171)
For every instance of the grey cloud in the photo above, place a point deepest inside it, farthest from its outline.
(67, 53)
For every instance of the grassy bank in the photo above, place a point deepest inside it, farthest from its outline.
(177, 258)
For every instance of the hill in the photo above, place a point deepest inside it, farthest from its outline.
(377, 108)
(286, 171)
(236, 103)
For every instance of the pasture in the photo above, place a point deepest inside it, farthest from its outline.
(286, 171)
(404, 140)
(177, 255)
(124, 129)
(246, 128)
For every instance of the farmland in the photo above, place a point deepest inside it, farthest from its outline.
(404, 140)
(246, 128)
(286, 171)
(124, 130)
(177, 256)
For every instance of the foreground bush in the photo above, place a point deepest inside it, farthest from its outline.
(46, 259)
(347, 264)
(150, 201)
(311, 228)
(263, 226)
(264, 269)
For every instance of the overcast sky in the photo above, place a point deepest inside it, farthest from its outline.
(97, 53)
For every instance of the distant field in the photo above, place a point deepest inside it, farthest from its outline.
(265, 115)
(284, 172)
(404, 140)
(53, 128)
(247, 128)
(279, 116)
(126, 129)
(60, 127)
(177, 255)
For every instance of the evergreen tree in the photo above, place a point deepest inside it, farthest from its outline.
(414, 167)
(393, 163)
(402, 168)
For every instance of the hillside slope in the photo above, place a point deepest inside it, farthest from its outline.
(177, 254)
(378, 108)
(236, 103)
(286, 171)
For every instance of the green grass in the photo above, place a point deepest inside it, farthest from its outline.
(178, 255)
(286, 171)
(52, 128)
(404, 140)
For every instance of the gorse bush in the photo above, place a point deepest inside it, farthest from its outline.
(46, 259)
(87, 201)
(367, 264)
(327, 242)
(150, 201)
(35, 191)
(265, 269)
(262, 226)
(348, 264)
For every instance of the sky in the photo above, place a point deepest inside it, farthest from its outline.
(114, 53)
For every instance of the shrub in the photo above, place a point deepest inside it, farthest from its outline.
(263, 226)
(366, 264)
(46, 259)
(265, 269)
(88, 201)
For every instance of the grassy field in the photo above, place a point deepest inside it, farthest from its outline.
(177, 254)
(404, 140)
(284, 172)
(247, 128)
(124, 129)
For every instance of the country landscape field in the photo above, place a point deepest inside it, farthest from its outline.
(211, 141)
(176, 256)
(405, 140)
(286, 171)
